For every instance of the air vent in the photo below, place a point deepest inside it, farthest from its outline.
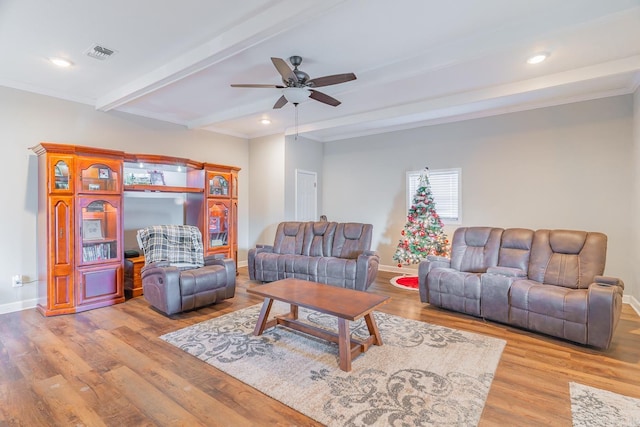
(100, 52)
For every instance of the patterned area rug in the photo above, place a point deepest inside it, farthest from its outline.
(423, 374)
(594, 407)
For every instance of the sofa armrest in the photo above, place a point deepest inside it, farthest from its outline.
(251, 258)
(438, 258)
(507, 271)
(424, 267)
(605, 306)
(366, 269)
(156, 265)
(228, 263)
(610, 281)
(494, 293)
(161, 286)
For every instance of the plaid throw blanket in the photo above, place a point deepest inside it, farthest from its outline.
(181, 245)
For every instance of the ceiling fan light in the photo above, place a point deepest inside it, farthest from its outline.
(296, 95)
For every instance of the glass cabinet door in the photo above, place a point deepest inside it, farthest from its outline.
(99, 223)
(60, 178)
(218, 184)
(100, 176)
(217, 223)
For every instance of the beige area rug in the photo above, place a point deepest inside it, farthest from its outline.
(595, 407)
(423, 374)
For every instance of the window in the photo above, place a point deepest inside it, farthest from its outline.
(445, 188)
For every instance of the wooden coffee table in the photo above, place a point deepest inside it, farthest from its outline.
(345, 304)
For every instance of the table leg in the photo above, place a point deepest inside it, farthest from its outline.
(373, 328)
(344, 344)
(294, 311)
(264, 315)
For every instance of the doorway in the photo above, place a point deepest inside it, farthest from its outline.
(306, 195)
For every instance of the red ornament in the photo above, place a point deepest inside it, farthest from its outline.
(399, 265)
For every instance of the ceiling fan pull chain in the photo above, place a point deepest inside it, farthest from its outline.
(296, 108)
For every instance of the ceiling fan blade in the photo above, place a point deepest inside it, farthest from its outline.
(324, 98)
(258, 86)
(285, 71)
(331, 80)
(280, 102)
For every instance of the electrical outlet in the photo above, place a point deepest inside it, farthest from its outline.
(16, 281)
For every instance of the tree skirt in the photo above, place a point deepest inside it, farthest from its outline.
(405, 282)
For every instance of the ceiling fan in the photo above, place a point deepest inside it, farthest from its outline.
(298, 86)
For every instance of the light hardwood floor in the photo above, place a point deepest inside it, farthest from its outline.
(108, 367)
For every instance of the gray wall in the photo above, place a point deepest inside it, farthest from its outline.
(27, 119)
(562, 167)
(304, 154)
(267, 183)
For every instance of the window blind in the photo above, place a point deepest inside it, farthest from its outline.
(445, 189)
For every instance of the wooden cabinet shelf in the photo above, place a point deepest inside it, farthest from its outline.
(162, 189)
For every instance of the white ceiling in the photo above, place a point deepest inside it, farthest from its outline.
(417, 62)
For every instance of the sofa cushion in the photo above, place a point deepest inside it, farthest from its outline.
(515, 248)
(553, 310)
(351, 240)
(318, 238)
(554, 301)
(567, 258)
(454, 290)
(269, 266)
(289, 238)
(474, 249)
(337, 272)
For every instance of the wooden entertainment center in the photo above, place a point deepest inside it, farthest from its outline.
(80, 218)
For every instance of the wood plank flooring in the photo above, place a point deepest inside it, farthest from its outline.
(108, 367)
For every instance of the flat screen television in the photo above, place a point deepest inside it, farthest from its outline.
(144, 209)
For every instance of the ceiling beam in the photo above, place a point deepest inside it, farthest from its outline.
(282, 16)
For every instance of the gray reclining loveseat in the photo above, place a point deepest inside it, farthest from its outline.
(333, 253)
(548, 281)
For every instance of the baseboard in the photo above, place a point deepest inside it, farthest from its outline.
(399, 270)
(633, 302)
(18, 306)
(244, 263)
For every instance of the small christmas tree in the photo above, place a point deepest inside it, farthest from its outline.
(423, 234)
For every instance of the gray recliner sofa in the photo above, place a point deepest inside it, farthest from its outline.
(332, 253)
(548, 281)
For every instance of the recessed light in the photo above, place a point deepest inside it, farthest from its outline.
(538, 58)
(265, 121)
(61, 62)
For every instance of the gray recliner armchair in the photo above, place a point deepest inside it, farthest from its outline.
(177, 276)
